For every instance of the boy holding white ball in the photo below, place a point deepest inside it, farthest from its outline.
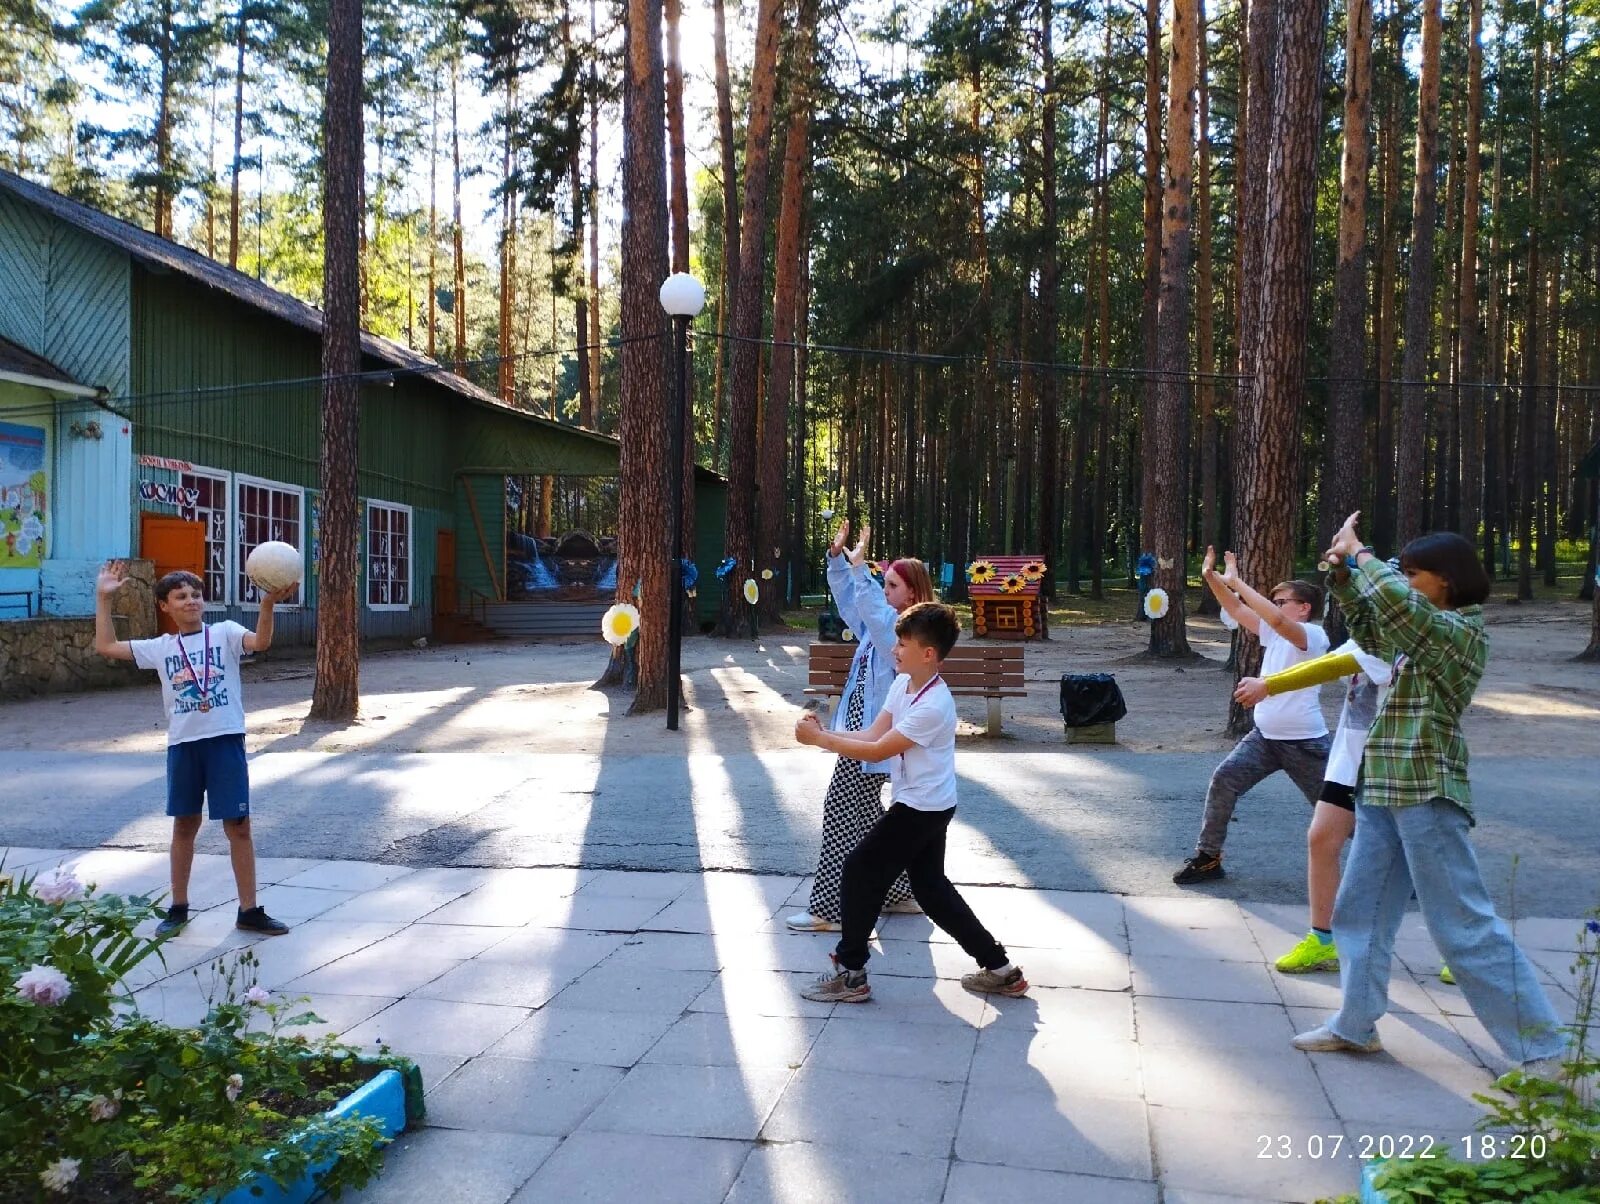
(200, 686)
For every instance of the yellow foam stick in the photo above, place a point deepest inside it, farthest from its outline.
(1314, 672)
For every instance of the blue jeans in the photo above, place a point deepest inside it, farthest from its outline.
(1425, 848)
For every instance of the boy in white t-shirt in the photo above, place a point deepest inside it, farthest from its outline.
(200, 689)
(1290, 733)
(916, 732)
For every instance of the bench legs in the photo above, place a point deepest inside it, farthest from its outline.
(994, 716)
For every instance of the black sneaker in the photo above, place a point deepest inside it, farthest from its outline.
(173, 922)
(1202, 867)
(257, 920)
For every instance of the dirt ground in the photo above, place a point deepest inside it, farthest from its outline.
(1534, 700)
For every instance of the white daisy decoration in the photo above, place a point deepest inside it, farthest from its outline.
(1156, 603)
(766, 574)
(847, 635)
(752, 591)
(620, 622)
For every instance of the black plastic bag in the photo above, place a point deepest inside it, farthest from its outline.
(1090, 698)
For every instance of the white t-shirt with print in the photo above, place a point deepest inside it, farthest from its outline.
(924, 776)
(199, 704)
(1296, 715)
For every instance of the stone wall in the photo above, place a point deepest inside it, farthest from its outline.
(53, 656)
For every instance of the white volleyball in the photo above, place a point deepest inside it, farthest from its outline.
(275, 565)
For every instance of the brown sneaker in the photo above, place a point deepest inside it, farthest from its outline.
(840, 986)
(987, 982)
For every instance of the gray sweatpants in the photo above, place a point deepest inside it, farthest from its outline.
(1255, 759)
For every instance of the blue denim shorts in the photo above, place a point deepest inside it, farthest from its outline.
(215, 769)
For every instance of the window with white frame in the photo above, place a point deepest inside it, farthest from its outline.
(211, 505)
(266, 510)
(388, 556)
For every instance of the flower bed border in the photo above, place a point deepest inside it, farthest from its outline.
(385, 1098)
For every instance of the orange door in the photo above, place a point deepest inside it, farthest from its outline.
(174, 544)
(444, 573)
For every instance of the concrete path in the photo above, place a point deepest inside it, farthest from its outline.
(1061, 819)
(623, 1036)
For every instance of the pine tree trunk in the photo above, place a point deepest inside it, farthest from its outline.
(1264, 532)
(729, 289)
(1532, 332)
(1102, 282)
(459, 245)
(645, 544)
(592, 359)
(1410, 460)
(1166, 425)
(1049, 321)
(1468, 369)
(506, 366)
(1205, 323)
(242, 35)
(786, 269)
(678, 171)
(1150, 304)
(1343, 461)
(336, 693)
(742, 523)
(580, 286)
(1259, 73)
(433, 215)
(1383, 477)
(163, 200)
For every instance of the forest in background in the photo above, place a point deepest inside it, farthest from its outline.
(1068, 277)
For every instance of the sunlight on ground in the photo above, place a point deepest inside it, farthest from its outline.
(1533, 706)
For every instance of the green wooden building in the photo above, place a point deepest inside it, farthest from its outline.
(179, 405)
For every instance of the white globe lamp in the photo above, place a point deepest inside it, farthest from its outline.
(682, 295)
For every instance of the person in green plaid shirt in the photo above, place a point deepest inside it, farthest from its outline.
(1415, 803)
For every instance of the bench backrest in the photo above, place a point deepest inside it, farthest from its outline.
(969, 666)
(1005, 566)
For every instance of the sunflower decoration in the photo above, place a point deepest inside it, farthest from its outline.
(1156, 603)
(619, 624)
(1013, 583)
(752, 591)
(980, 572)
(1033, 571)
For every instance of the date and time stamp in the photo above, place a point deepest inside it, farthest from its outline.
(1370, 1147)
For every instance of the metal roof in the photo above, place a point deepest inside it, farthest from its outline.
(162, 254)
(24, 363)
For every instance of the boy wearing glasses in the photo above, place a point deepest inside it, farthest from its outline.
(1290, 733)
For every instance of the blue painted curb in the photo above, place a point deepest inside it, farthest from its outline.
(1369, 1192)
(381, 1098)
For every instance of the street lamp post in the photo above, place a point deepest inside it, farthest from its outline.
(682, 296)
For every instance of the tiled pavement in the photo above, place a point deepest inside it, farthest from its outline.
(639, 1037)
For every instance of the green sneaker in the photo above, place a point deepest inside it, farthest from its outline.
(1309, 956)
(1446, 977)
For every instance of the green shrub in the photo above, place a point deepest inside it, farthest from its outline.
(119, 1105)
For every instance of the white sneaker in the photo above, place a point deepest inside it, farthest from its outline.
(1551, 1069)
(806, 922)
(1324, 1040)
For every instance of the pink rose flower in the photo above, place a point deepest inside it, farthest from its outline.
(43, 984)
(59, 885)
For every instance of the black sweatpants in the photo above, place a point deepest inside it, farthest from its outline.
(913, 841)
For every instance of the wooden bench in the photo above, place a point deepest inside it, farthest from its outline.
(992, 672)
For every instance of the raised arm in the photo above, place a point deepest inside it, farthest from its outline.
(260, 639)
(105, 631)
(1265, 609)
(1226, 598)
(840, 583)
